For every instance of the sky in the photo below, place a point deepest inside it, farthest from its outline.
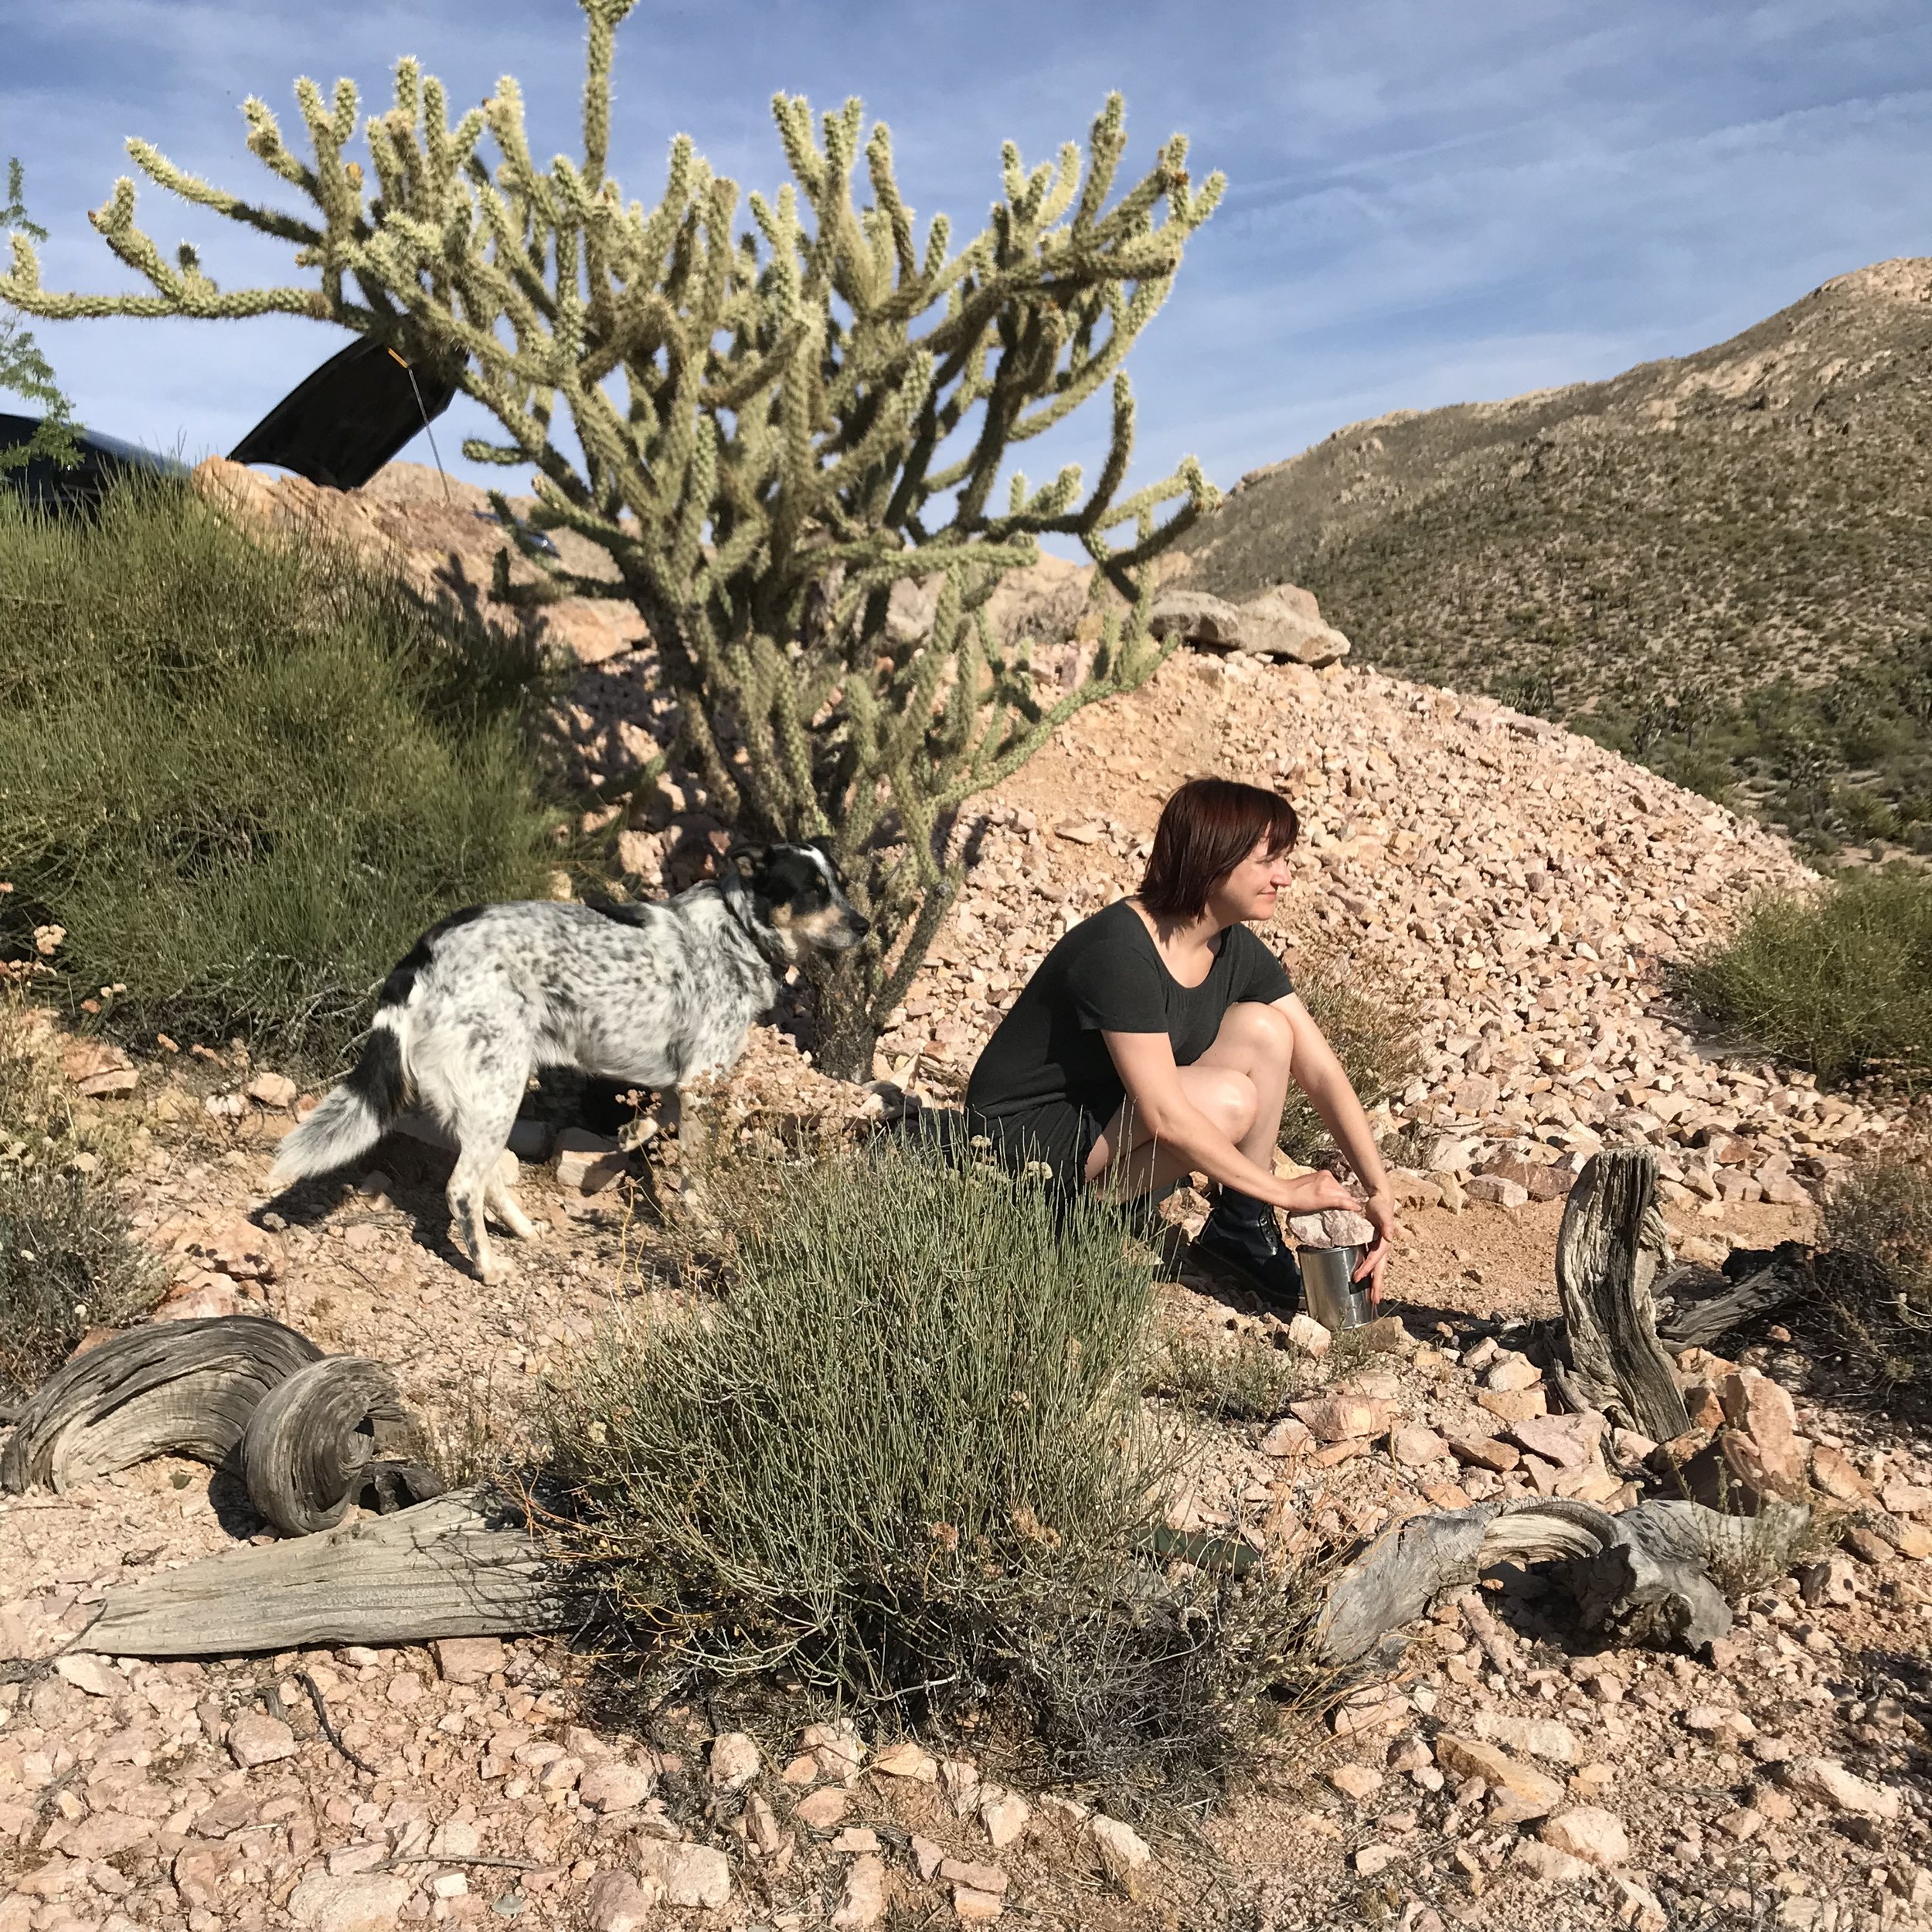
(1426, 203)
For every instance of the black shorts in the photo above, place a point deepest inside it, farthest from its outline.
(1058, 1135)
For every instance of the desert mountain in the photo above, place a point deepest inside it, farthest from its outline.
(1719, 564)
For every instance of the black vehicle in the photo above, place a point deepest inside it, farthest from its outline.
(338, 426)
(79, 486)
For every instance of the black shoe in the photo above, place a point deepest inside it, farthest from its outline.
(1242, 1241)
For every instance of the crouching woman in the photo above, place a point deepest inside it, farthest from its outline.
(1157, 1039)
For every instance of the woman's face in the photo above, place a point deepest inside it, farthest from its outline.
(1248, 892)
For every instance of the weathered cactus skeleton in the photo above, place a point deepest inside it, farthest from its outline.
(771, 430)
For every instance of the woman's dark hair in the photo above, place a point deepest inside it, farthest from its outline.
(1206, 829)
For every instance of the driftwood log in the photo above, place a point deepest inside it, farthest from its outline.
(1609, 1251)
(1699, 1306)
(1660, 1573)
(169, 1388)
(461, 1566)
(317, 1443)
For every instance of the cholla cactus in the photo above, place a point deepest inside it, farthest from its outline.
(769, 430)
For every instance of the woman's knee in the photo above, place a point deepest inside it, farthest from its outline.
(1227, 1097)
(1262, 1031)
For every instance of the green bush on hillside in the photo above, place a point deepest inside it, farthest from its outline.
(1876, 1264)
(903, 1459)
(243, 775)
(1841, 983)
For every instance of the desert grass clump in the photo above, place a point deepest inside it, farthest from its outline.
(1371, 1020)
(242, 774)
(900, 1459)
(1234, 1381)
(1840, 983)
(68, 1260)
(1874, 1265)
(68, 1263)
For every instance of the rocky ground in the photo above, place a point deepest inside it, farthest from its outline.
(1512, 1775)
(1528, 891)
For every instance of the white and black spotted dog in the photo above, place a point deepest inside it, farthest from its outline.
(659, 996)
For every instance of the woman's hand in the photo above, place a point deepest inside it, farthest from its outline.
(1311, 1193)
(1380, 1209)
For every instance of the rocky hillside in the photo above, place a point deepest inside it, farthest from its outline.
(1720, 564)
(1525, 888)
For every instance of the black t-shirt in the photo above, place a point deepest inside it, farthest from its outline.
(1106, 975)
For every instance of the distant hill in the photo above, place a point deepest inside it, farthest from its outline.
(1720, 565)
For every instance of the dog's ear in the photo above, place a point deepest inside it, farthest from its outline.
(820, 842)
(747, 860)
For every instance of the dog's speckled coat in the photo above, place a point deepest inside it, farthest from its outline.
(658, 995)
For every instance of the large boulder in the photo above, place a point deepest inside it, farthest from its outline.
(441, 536)
(1044, 601)
(1284, 621)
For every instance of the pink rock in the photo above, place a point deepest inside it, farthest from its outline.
(907, 1760)
(1358, 1781)
(1497, 1191)
(690, 1874)
(864, 1904)
(1510, 1371)
(1569, 1441)
(1588, 1832)
(204, 1298)
(254, 1739)
(351, 1904)
(982, 1876)
(1290, 1437)
(734, 1760)
(1512, 1404)
(231, 1244)
(1342, 1418)
(106, 1834)
(469, 1659)
(1835, 1473)
(824, 1807)
(1764, 1409)
(614, 1786)
(1415, 1448)
(1005, 1814)
(272, 1090)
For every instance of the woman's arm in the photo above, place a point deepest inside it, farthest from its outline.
(1161, 1107)
(1319, 1074)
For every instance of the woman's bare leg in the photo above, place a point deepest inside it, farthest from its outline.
(1240, 1083)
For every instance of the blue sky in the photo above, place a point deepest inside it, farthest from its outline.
(1428, 203)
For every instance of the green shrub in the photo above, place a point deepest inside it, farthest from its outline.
(1371, 1022)
(67, 1263)
(902, 1461)
(1841, 983)
(243, 775)
(1231, 1381)
(1875, 1264)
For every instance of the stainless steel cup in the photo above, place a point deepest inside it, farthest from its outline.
(1328, 1286)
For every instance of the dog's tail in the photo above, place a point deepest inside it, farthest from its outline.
(356, 1116)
